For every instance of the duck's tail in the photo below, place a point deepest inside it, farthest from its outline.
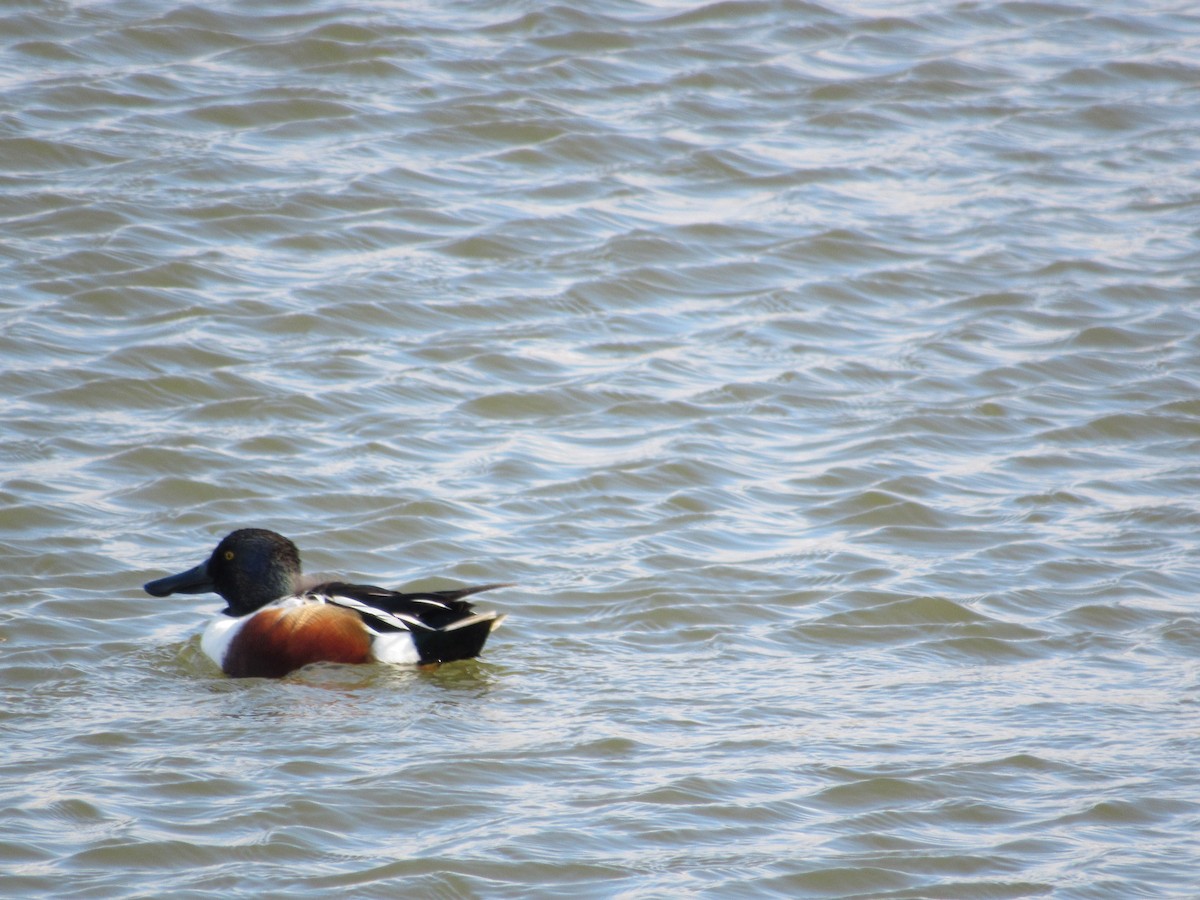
(463, 639)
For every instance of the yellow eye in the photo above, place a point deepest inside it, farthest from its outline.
(229, 554)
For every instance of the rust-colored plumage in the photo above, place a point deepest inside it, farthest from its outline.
(277, 641)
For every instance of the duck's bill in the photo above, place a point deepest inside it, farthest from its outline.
(193, 581)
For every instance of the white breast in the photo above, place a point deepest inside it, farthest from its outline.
(220, 631)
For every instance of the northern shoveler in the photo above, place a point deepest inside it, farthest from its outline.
(275, 623)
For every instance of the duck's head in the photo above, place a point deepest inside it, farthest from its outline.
(250, 568)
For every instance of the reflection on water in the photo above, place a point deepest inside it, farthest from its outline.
(825, 378)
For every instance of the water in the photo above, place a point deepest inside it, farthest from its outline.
(825, 375)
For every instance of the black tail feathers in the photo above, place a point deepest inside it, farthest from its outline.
(463, 639)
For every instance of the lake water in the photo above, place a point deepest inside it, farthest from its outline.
(826, 375)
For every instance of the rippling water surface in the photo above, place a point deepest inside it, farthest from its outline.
(826, 376)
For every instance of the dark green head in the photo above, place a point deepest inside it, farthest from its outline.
(250, 568)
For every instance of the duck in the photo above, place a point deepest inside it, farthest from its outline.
(277, 620)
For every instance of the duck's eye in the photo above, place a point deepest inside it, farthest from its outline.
(228, 554)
